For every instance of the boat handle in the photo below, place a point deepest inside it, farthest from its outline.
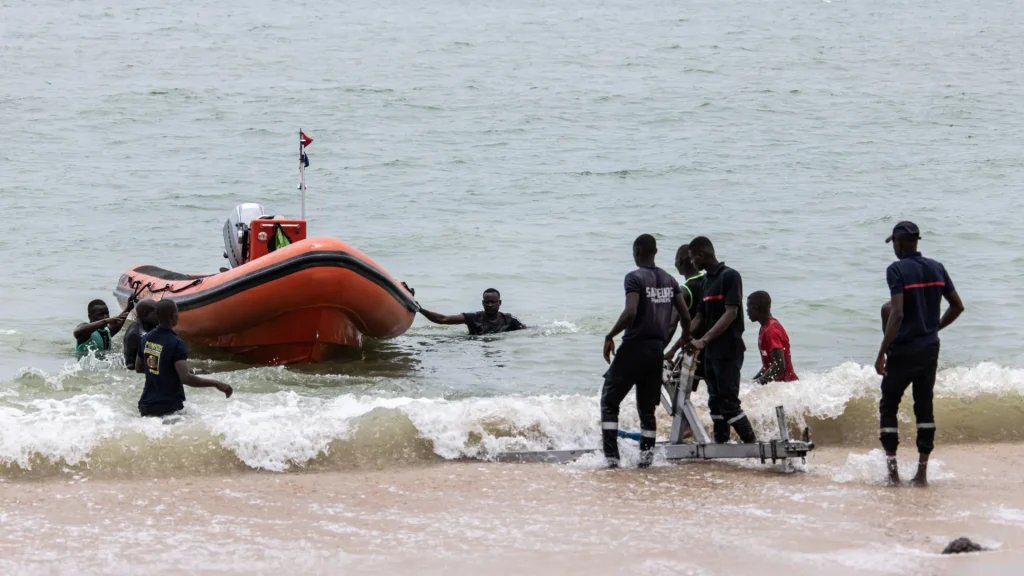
(296, 226)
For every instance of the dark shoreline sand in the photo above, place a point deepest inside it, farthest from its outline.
(468, 517)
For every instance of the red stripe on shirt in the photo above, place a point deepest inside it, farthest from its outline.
(720, 297)
(924, 285)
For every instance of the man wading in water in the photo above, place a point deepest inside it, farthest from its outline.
(651, 294)
(910, 348)
(101, 328)
(163, 358)
(489, 321)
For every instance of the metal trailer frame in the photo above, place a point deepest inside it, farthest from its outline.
(675, 398)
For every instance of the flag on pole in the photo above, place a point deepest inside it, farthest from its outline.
(303, 164)
(304, 141)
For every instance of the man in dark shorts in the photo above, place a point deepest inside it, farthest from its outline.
(910, 349)
(651, 295)
(145, 314)
(723, 343)
(693, 292)
(487, 321)
(163, 358)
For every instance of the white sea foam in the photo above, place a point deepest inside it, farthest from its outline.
(283, 429)
(871, 468)
(560, 327)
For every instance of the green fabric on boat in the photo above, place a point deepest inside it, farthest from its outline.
(280, 238)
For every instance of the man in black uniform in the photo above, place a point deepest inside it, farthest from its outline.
(910, 348)
(651, 295)
(488, 321)
(723, 343)
(693, 292)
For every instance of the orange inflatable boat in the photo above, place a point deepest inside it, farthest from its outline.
(285, 299)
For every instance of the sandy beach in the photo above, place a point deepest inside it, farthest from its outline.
(471, 517)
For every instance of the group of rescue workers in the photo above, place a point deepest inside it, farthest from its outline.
(707, 308)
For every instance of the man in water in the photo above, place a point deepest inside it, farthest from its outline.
(693, 292)
(101, 328)
(772, 341)
(909, 354)
(651, 295)
(145, 314)
(163, 358)
(723, 343)
(487, 321)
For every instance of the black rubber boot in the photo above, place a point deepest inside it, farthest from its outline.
(744, 430)
(646, 452)
(610, 442)
(721, 431)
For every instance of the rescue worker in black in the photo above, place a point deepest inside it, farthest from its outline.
(909, 354)
(647, 319)
(723, 343)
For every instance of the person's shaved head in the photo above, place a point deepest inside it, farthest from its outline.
(97, 310)
(167, 313)
(644, 249)
(761, 299)
(702, 253)
(759, 306)
(145, 311)
(683, 263)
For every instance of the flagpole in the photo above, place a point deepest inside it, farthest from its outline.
(302, 174)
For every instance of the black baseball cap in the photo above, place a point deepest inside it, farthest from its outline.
(904, 228)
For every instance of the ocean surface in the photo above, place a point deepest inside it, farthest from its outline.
(520, 146)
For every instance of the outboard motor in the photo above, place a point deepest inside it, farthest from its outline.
(236, 232)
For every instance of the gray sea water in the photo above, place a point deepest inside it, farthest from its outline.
(521, 146)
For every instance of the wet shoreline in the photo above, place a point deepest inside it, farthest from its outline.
(465, 516)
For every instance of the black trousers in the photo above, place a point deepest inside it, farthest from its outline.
(698, 373)
(636, 364)
(917, 369)
(723, 379)
(158, 410)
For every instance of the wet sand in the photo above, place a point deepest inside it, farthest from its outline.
(468, 517)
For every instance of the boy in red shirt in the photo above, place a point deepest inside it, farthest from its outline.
(772, 341)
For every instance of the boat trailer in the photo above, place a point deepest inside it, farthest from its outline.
(675, 398)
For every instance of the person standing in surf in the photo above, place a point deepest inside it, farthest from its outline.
(163, 358)
(647, 319)
(101, 328)
(145, 314)
(909, 354)
(693, 292)
(723, 343)
(488, 321)
(772, 341)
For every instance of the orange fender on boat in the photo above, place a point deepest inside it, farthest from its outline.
(296, 304)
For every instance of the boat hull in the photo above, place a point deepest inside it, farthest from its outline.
(297, 304)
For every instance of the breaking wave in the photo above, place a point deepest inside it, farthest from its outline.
(84, 421)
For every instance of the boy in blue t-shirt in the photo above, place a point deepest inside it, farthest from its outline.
(163, 358)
